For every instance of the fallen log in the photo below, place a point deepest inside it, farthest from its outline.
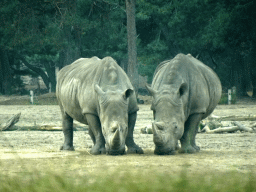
(49, 128)
(206, 129)
(243, 128)
(233, 118)
(9, 124)
(237, 127)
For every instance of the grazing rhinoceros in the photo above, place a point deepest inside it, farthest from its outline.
(97, 92)
(184, 92)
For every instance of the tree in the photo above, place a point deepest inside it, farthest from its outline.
(5, 72)
(132, 47)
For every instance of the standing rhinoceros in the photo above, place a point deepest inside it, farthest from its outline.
(97, 92)
(184, 92)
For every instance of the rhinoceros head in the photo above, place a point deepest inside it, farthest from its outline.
(114, 118)
(169, 118)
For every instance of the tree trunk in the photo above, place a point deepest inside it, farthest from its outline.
(132, 48)
(71, 34)
(37, 70)
(50, 69)
(5, 73)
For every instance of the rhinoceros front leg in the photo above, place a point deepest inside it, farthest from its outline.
(96, 134)
(67, 127)
(188, 144)
(132, 147)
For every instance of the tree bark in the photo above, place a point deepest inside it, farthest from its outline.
(5, 76)
(50, 69)
(71, 34)
(132, 47)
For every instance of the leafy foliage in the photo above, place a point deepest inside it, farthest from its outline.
(220, 33)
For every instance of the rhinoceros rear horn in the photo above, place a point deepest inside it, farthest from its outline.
(127, 93)
(151, 91)
(98, 89)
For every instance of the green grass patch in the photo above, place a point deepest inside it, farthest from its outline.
(130, 181)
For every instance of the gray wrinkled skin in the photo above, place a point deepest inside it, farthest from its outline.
(184, 91)
(97, 92)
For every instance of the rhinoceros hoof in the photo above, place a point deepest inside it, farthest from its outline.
(196, 148)
(132, 150)
(98, 151)
(67, 148)
(188, 149)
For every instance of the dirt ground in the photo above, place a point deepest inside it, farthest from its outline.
(22, 151)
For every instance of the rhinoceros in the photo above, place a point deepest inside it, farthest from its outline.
(184, 91)
(97, 92)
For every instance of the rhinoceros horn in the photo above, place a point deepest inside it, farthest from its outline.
(116, 139)
(157, 139)
(160, 125)
(98, 89)
(151, 91)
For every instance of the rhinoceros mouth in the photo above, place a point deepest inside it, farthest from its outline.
(160, 151)
(116, 152)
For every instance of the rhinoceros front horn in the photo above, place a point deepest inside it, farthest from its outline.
(116, 139)
(156, 137)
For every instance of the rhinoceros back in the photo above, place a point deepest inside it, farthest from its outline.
(75, 86)
(204, 87)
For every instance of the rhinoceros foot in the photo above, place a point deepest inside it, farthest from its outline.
(67, 148)
(135, 149)
(196, 147)
(96, 150)
(188, 149)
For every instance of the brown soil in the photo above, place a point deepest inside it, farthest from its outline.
(21, 151)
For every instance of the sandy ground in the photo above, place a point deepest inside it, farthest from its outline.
(21, 151)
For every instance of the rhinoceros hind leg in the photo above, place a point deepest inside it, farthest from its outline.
(188, 144)
(67, 127)
(96, 134)
(131, 145)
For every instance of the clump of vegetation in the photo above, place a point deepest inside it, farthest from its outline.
(224, 98)
(120, 181)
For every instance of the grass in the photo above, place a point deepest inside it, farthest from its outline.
(129, 181)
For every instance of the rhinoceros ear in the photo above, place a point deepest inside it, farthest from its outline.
(127, 93)
(98, 89)
(151, 91)
(183, 89)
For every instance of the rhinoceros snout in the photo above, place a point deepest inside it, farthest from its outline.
(116, 142)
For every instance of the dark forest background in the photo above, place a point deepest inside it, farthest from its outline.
(36, 36)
